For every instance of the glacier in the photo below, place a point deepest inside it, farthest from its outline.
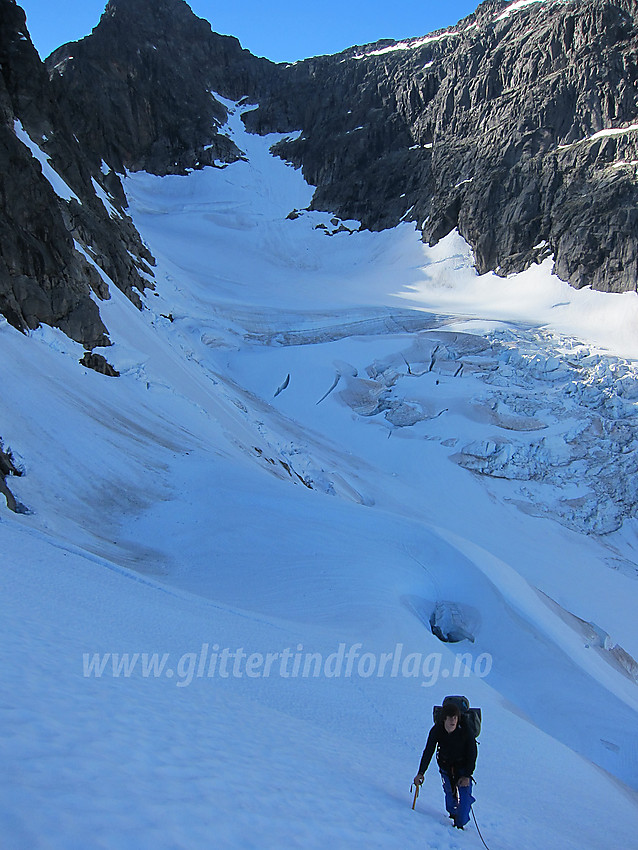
(321, 438)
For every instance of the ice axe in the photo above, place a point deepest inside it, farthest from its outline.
(417, 788)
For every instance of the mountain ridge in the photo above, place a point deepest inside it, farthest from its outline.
(495, 127)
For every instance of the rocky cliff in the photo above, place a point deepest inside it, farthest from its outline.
(62, 212)
(495, 126)
(138, 90)
(516, 126)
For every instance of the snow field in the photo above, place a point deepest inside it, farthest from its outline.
(184, 505)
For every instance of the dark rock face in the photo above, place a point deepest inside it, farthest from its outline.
(98, 363)
(138, 90)
(7, 468)
(44, 278)
(493, 127)
(489, 127)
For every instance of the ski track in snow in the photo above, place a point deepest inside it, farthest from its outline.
(318, 440)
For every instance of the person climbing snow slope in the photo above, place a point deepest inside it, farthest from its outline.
(456, 754)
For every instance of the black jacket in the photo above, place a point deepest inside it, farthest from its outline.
(455, 751)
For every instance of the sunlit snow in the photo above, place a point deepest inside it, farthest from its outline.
(216, 624)
(516, 7)
(409, 44)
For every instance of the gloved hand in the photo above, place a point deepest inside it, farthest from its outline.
(418, 779)
(463, 782)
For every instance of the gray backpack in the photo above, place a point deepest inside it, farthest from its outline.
(470, 717)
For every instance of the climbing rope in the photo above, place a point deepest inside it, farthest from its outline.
(478, 830)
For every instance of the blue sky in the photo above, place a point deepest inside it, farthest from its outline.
(282, 30)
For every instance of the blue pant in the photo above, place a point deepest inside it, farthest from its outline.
(458, 801)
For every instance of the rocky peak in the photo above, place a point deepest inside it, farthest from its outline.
(157, 64)
(159, 18)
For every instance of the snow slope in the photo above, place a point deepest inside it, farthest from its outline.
(216, 614)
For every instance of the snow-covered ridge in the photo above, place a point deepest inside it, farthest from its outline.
(612, 131)
(102, 195)
(608, 132)
(58, 184)
(520, 5)
(408, 44)
(517, 6)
